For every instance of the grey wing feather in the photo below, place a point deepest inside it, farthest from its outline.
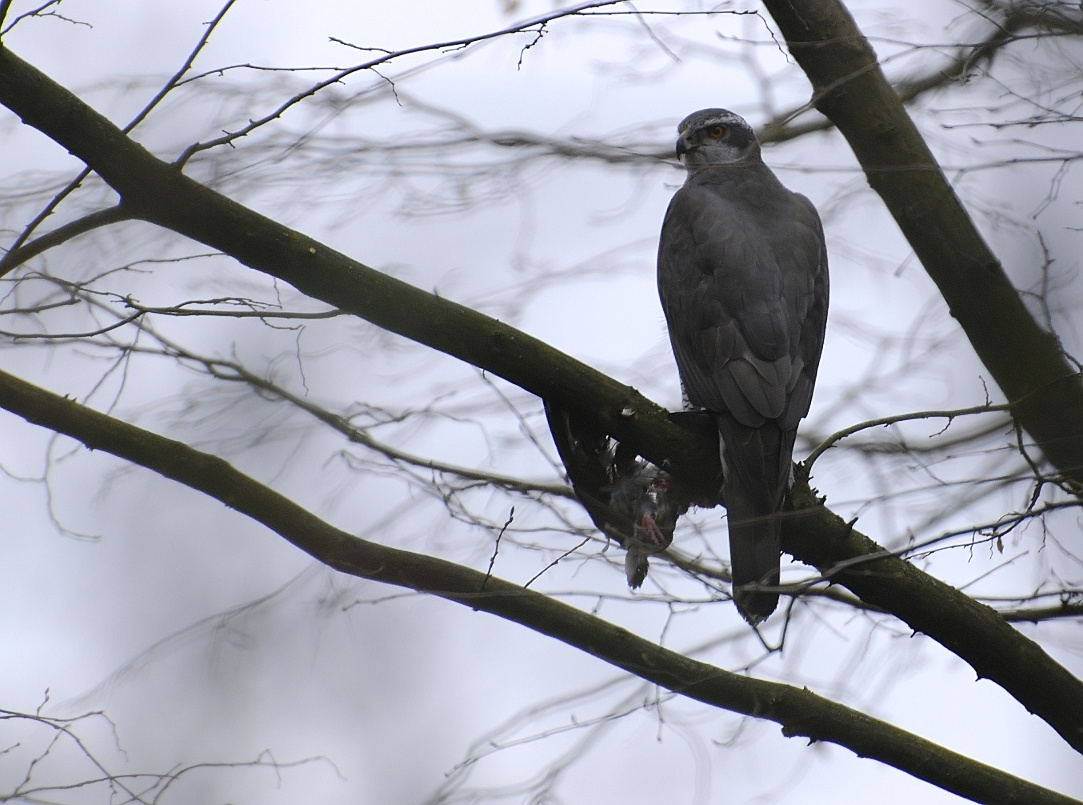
(746, 322)
(742, 274)
(815, 297)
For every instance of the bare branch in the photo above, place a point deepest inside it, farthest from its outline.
(16, 255)
(949, 415)
(163, 195)
(799, 711)
(535, 25)
(1027, 362)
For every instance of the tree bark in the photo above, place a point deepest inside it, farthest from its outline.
(799, 711)
(158, 192)
(1026, 361)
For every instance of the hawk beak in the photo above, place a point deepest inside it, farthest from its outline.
(682, 146)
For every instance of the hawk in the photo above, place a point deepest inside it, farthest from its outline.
(742, 275)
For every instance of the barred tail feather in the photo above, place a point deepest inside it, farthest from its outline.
(755, 545)
(756, 462)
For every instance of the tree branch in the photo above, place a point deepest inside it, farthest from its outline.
(799, 711)
(1045, 391)
(18, 255)
(972, 630)
(965, 60)
(158, 192)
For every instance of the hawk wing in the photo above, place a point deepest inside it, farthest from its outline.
(742, 274)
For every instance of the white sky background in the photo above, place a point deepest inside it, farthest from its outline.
(104, 561)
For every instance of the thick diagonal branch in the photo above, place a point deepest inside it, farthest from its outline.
(1026, 361)
(154, 190)
(799, 711)
(973, 631)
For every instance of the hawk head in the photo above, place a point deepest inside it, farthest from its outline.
(715, 137)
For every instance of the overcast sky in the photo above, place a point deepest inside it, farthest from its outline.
(205, 638)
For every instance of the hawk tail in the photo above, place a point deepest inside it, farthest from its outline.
(755, 545)
(756, 463)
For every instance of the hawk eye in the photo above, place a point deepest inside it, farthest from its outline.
(717, 132)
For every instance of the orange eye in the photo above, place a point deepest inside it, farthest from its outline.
(717, 133)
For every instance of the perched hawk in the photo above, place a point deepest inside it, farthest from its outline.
(742, 274)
